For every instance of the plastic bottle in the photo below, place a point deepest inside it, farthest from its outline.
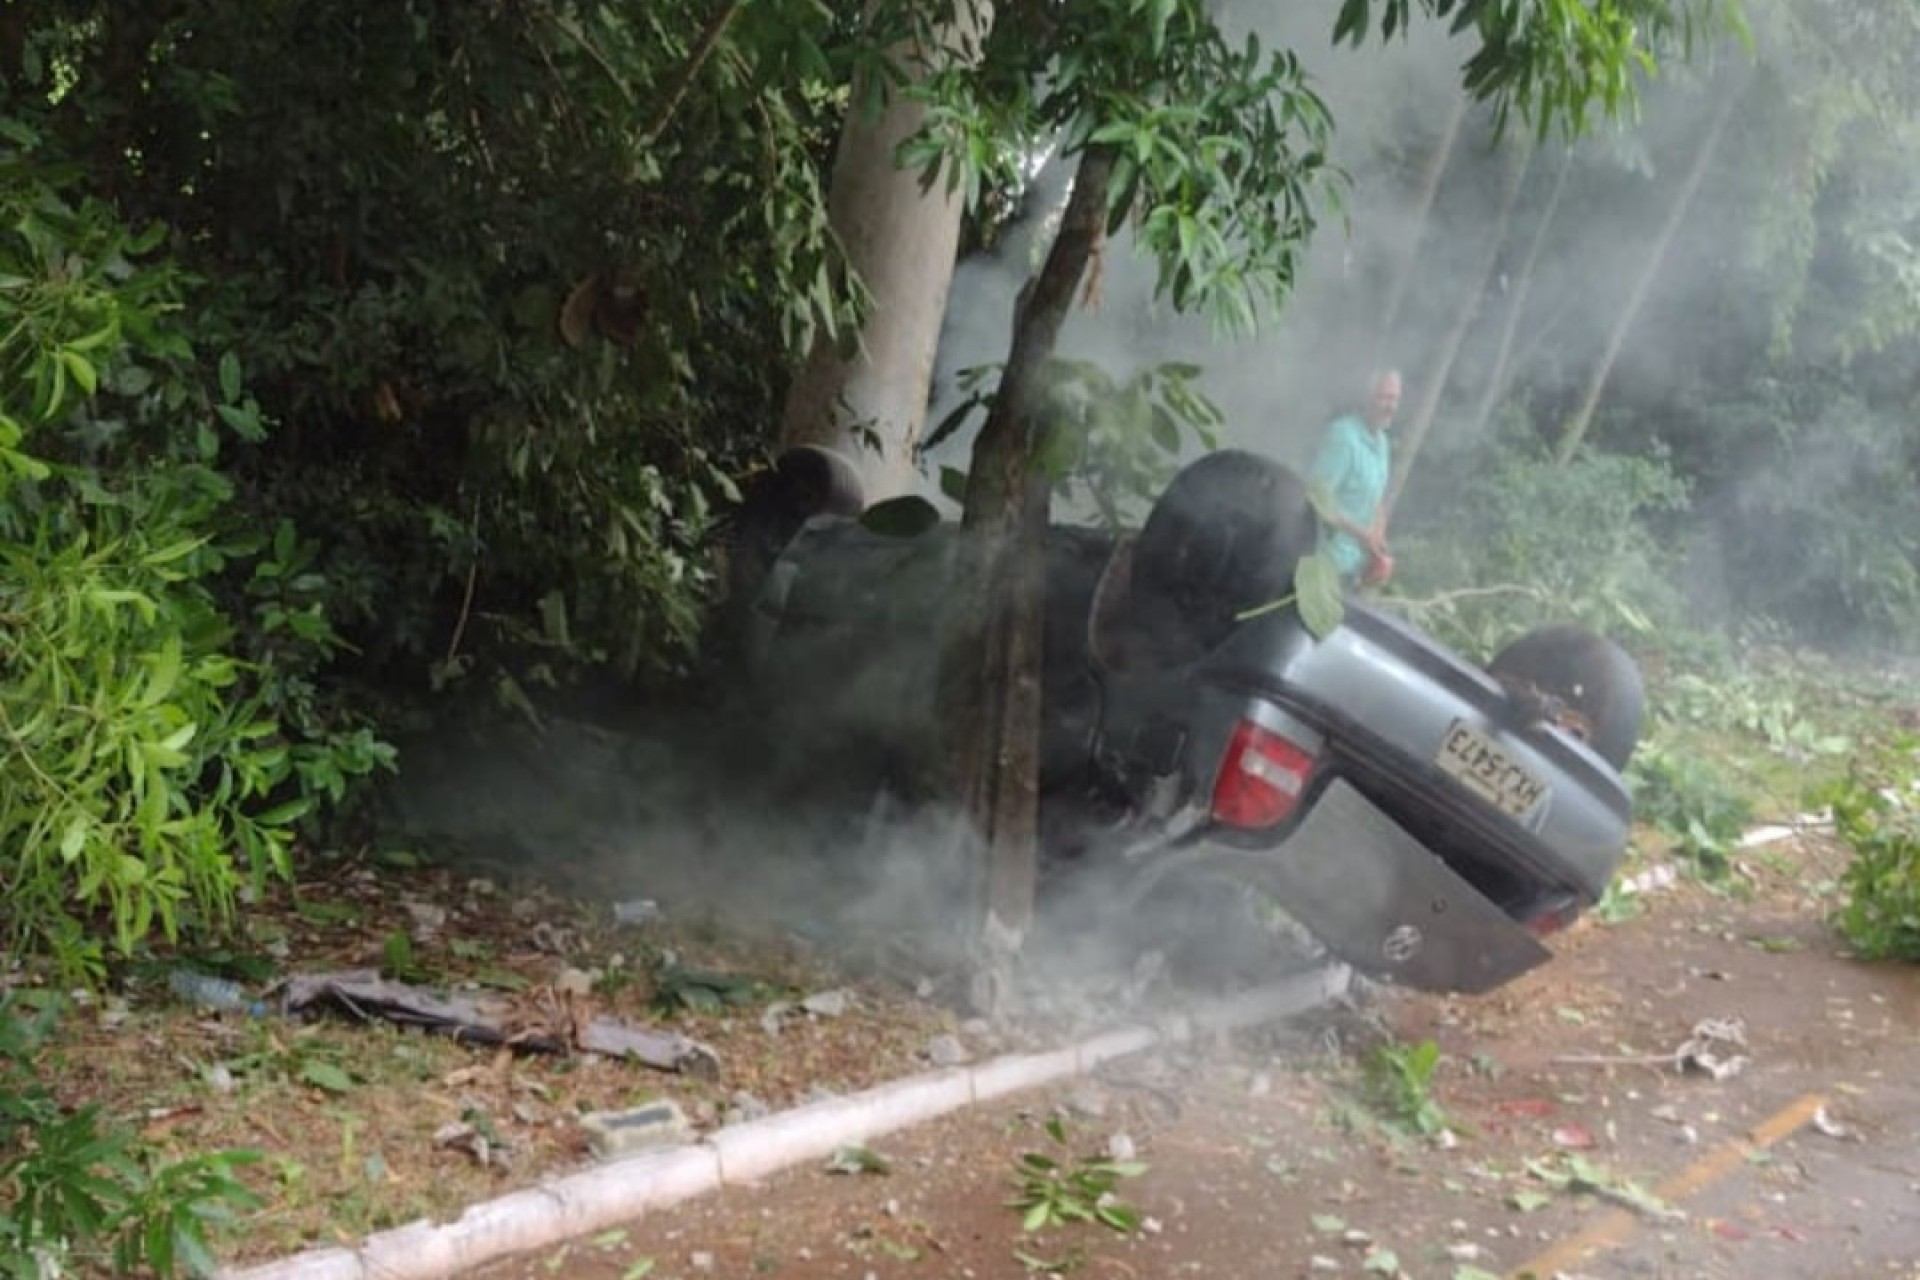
(218, 994)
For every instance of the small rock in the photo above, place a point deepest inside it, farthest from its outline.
(828, 1004)
(636, 911)
(481, 887)
(775, 1014)
(1321, 1262)
(1087, 1101)
(1150, 1226)
(574, 982)
(1120, 1147)
(429, 918)
(1355, 1238)
(700, 1261)
(220, 1079)
(747, 1107)
(947, 1051)
(1464, 1252)
(1260, 1085)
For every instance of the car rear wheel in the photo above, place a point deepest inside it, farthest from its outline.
(1224, 537)
(1588, 673)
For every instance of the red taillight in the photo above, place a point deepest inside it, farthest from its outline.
(1553, 917)
(1262, 778)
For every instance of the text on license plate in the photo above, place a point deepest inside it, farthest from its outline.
(1484, 768)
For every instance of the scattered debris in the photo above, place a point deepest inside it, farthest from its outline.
(1832, 1128)
(1662, 876)
(1775, 832)
(618, 1133)
(364, 994)
(1706, 1050)
(637, 911)
(461, 1136)
(857, 1159)
(1580, 1175)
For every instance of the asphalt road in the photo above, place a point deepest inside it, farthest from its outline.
(1578, 1133)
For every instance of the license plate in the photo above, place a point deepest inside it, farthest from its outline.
(1467, 755)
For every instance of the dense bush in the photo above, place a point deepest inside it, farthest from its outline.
(1502, 539)
(159, 733)
(512, 281)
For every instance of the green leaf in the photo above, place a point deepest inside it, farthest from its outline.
(1328, 1224)
(324, 1075)
(1316, 583)
(229, 377)
(1529, 1201)
(80, 369)
(953, 483)
(907, 516)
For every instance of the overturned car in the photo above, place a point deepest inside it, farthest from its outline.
(1426, 819)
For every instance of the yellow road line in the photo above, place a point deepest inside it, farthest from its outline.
(1612, 1230)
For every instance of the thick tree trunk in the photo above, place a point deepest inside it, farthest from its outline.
(1441, 369)
(1430, 175)
(1498, 378)
(901, 242)
(1575, 429)
(990, 687)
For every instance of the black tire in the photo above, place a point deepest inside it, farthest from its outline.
(803, 482)
(1589, 674)
(1224, 537)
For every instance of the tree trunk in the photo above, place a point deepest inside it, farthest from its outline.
(1497, 379)
(901, 242)
(1576, 428)
(1430, 176)
(1442, 368)
(990, 685)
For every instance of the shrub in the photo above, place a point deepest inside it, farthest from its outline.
(76, 1189)
(153, 765)
(1520, 539)
(1879, 819)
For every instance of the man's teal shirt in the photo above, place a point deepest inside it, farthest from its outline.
(1352, 469)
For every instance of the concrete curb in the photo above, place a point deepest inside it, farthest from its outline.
(567, 1207)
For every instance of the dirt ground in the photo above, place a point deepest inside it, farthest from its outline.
(1572, 1144)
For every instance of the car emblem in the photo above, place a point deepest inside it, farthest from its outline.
(1402, 945)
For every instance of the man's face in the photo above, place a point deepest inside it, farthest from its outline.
(1385, 402)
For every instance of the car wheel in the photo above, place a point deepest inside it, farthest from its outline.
(1588, 673)
(1224, 537)
(802, 483)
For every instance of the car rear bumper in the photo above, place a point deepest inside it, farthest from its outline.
(1375, 897)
